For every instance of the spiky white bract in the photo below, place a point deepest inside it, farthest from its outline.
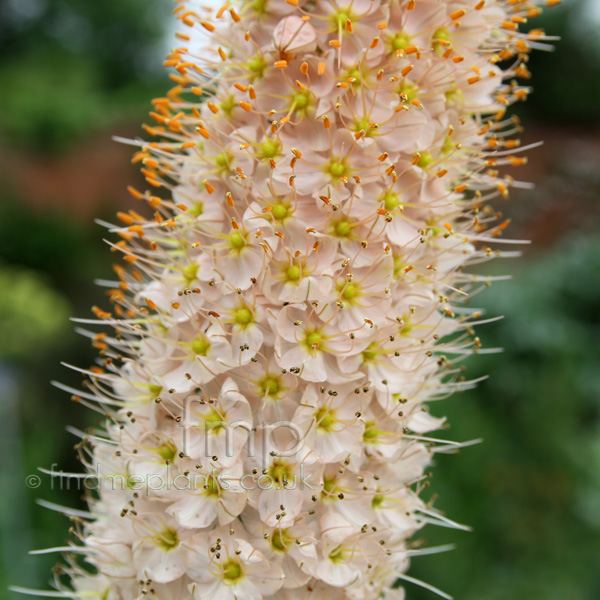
(319, 178)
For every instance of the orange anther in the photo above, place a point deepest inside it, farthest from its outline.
(136, 229)
(154, 202)
(137, 195)
(127, 219)
(503, 189)
(457, 14)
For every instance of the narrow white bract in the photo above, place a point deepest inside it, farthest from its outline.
(288, 310)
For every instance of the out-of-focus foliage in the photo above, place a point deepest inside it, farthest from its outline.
(33, 315)
(69, 67)
(49, 263)
(531, 491)
(567, 81)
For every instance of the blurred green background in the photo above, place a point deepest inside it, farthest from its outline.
(73, 73)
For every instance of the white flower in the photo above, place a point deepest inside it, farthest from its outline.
(229, 568)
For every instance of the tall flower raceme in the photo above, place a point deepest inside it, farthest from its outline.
(319, 177)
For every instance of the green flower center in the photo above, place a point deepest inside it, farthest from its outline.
(455, 97)
(340, 17)
(190, 272)
(214, 421)
(232, 571)
(279, 212)
(197, 209)
(270, 385)
(390, 200)
(211, 488)
(201, 345)
(337, 555)
(280, 540)
(222, 160)
(167, 539)
(155, 390)
(406, 328)
(371, 431)
(236, 240)
(370, 353)
(228, 105)
(281, 473)
(343, 228)
(257, 65)
(363, 124)
(313, 340)
(377, 500)
(337, 169)
(400, 41)
(167, 451)
(243, 316)
(355, 74)
(293, 273)
(329, 488)
(269, 149)
(350, 291)
(449, 145)
(259, 6)
(440, 34)
(301, 100)
(409, 89)
(325, 419)
(425, 160)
